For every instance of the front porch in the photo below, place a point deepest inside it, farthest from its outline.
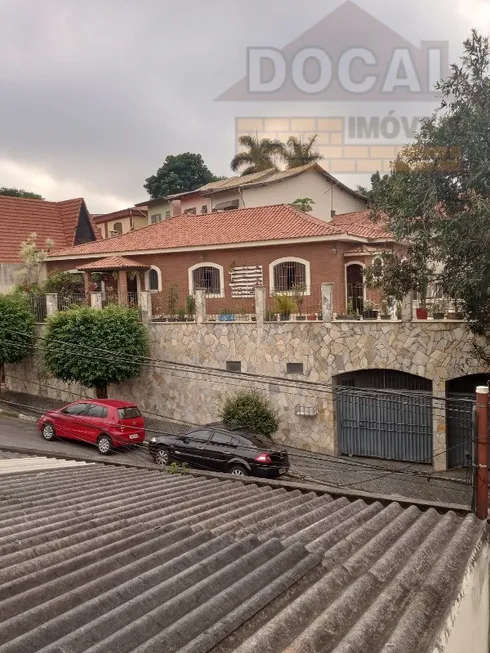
(118, 280)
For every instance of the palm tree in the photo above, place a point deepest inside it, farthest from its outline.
(300, 153)
(260, 155)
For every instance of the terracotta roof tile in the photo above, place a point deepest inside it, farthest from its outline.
(360, 224)
(113, 263)
(21, 217)
(277, 222)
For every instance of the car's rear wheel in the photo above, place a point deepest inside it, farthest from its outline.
(48, 432)
(104, 444)
(238, 470)
(162, 457)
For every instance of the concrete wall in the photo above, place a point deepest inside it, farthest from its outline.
(436, 351)
(467, 626)
(310, 184)
(8, 276)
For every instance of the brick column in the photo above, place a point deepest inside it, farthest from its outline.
(96, 300)
(122, 284)
(327, 302)
(51, 303)
(200, 295)
(144, 299)
(260, 304)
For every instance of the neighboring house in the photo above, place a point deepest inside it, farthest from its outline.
(330, 196)
(229, 253)
(120, 222)
(160, 209)
(106, 559)
(66, 223)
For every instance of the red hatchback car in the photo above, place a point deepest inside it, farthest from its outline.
(104, 422)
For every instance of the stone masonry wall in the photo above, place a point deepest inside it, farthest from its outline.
(438, 351)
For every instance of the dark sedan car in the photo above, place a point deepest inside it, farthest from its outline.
(222, 448)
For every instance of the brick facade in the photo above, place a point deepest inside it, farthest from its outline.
(327, 263)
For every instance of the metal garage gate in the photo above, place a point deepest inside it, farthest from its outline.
(459, 418)
(390, 426)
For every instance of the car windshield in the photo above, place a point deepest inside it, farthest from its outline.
(128, 413)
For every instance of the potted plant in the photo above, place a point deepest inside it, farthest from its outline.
(311, 317)
(270, 316)
(439, 308)
(226, 315)
(285, 306)
(369, 312)
(172, 299)
(385, 310)
(181, 315)
(191, 307)
(351, 314)
(422, 312)
(455, 314)
(399, 311)
(299, 291)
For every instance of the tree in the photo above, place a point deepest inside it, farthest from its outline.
(17, 330)
(20, 192)
(33, 258)
(179, 174)
(76, 341)
(300, 153)
(304, 204)
(376, 180)
(251, 410)
(437, 196)
(260, 155)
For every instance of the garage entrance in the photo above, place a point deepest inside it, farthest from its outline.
(460, 394)
(391, 425)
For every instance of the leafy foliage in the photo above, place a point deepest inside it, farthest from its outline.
(179, 174)
(437, 196)
(251, 410)
(33, 258)
(20, 192)
(299, 153)
(63, 282)
(259, 155)
(74, 340)
(17, 328)
(304, 204)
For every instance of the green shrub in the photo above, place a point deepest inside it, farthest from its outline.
(250, 409)
(17, 328)
(76, 342)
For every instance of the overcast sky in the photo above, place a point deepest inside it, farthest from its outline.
(97, 92)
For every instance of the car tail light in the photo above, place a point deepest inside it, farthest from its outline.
(263, 458)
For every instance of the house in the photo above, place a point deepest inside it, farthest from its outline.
(120, 222)
(105, 558)
(160, 209)
(330, 196)
(231, 252)
(66, 223)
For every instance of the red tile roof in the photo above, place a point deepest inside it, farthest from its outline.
(21, 217)
(360, 223)
(113, 263)
(264, 223)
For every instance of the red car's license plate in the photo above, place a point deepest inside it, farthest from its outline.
(133, 436)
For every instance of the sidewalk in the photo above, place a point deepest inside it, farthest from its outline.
(379, 477)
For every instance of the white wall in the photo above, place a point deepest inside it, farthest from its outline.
(467, 628)
(309, 184)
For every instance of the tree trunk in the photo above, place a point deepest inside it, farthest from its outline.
(101, 391)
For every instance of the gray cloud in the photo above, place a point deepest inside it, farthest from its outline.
(97, 93)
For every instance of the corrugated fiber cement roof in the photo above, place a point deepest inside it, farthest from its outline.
(99, 559)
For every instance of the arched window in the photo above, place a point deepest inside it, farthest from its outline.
(153, 279)
(208, 276)
(117, 228)
(354, 286)
(286, 274)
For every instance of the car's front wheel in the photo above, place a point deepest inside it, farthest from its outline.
(238, 470)
(48, 432)
(162, 457)
(104, 444)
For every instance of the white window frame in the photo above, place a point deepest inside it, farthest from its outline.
(363, 266)
(290, 259)
(207, 264)
(147, 278)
